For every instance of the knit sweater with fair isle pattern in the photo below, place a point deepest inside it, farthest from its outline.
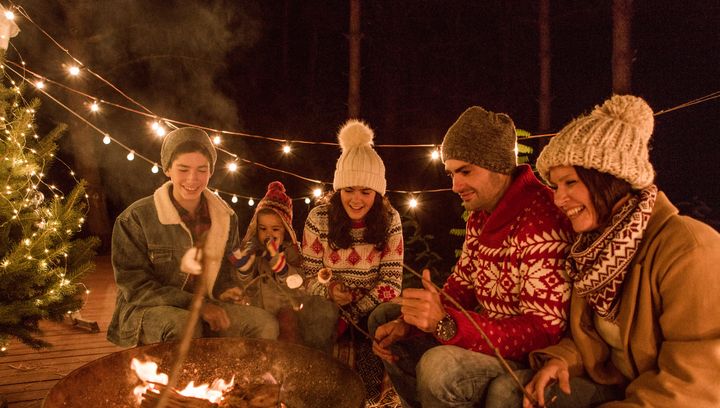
(510, 275)
(372, 276)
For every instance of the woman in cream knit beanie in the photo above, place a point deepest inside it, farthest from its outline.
(643, 327)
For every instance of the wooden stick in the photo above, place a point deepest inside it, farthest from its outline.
(184, 347)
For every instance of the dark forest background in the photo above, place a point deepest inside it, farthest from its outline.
(280, 69)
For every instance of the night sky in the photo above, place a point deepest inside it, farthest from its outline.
(279, 68)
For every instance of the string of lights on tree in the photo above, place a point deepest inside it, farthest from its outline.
(159, 125)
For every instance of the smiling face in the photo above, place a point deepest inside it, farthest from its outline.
(573, 197)
(189, 173)
(478, 187)
(269, 225)
(357, 201)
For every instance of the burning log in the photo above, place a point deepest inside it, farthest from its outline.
(174, 400)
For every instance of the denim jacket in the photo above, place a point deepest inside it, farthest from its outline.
(148, 242)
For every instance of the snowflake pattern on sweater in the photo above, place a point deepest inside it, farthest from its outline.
(372, 276)
(511, 273)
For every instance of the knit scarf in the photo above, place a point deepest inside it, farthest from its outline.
(599, 260)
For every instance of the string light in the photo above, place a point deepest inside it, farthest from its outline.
(413, 203)
(317, 192)
(107, 139)
(307, 200)
(217, 140)
(39, 85)
(94, 107)
(131, 155)
(286, 148)
(234, 199)
(74, 70)
(232, 166)
(435, 154)
(251, 202)
(155, 168)
(9, 15)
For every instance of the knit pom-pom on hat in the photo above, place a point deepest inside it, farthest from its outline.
(359, 164)
(612, 139)
(355, 133)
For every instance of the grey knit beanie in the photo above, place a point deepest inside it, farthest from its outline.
(612, 139)
(187, 134)
(483, 138)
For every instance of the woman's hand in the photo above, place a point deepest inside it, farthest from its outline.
(553, 370)
(339, 293)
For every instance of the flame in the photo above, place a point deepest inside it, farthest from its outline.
(147, 373)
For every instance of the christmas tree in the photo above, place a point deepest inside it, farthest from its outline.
(41, 263)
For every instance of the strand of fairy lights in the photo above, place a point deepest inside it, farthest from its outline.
(74, 70)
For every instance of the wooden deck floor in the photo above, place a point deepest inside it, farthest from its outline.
(26, 375)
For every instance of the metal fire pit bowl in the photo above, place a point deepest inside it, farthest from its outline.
(309, 378)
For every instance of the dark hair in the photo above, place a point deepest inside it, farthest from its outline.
(605, 191)
(377, 223)
(190, 146)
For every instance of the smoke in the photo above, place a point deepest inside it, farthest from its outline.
(170, 56)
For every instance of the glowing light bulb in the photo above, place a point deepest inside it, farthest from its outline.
(94, 107)
(307, 200)
(232, 166)
(234, 199)
(107, 139)
(286, 148)
(9, 15)
(74, 70)
(160, 131)
(217, 140)
(435, 154)
(40, 84)
(155, 168)
(251, 202)
(413, 203)
(131, 155)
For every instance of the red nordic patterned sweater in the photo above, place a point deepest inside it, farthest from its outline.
(511, 273)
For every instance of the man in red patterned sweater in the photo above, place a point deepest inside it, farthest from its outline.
(510, 277)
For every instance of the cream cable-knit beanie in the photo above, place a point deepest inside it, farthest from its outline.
(612, 139)
(359, 164)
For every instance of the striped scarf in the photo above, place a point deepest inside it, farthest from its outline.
(599, 260)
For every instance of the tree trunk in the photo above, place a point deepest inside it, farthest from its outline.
(354, 39)
(545, 56)
(83, 139)
(622, 51)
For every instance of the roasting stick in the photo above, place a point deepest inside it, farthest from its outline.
(184, 347)
(500, 358)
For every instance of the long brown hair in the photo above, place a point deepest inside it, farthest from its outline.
(377, 223)
(605, 191)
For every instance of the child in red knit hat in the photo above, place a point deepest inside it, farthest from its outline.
(268, 261)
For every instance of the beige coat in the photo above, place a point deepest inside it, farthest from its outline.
(669, 319)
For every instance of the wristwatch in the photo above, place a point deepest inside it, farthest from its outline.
(446, 328)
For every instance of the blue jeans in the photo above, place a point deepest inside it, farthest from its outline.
(584, 392)
(429, 374)
(167, 323)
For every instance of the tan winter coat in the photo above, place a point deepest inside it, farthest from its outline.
(669, 319)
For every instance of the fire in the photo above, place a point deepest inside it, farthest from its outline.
(147, 372)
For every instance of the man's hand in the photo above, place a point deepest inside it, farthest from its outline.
(553, 370)
(190, 262)
(234, 295)
(386, 335)
(339, 293)
(422, 308)
(215, 316)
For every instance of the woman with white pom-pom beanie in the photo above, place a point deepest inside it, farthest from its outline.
(644, 327)
(356, 233)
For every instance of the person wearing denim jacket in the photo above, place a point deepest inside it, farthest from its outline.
(149, 240)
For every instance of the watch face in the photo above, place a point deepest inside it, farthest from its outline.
(446, 328)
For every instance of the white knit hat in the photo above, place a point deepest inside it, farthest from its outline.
(612, 139)
(359, 164)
